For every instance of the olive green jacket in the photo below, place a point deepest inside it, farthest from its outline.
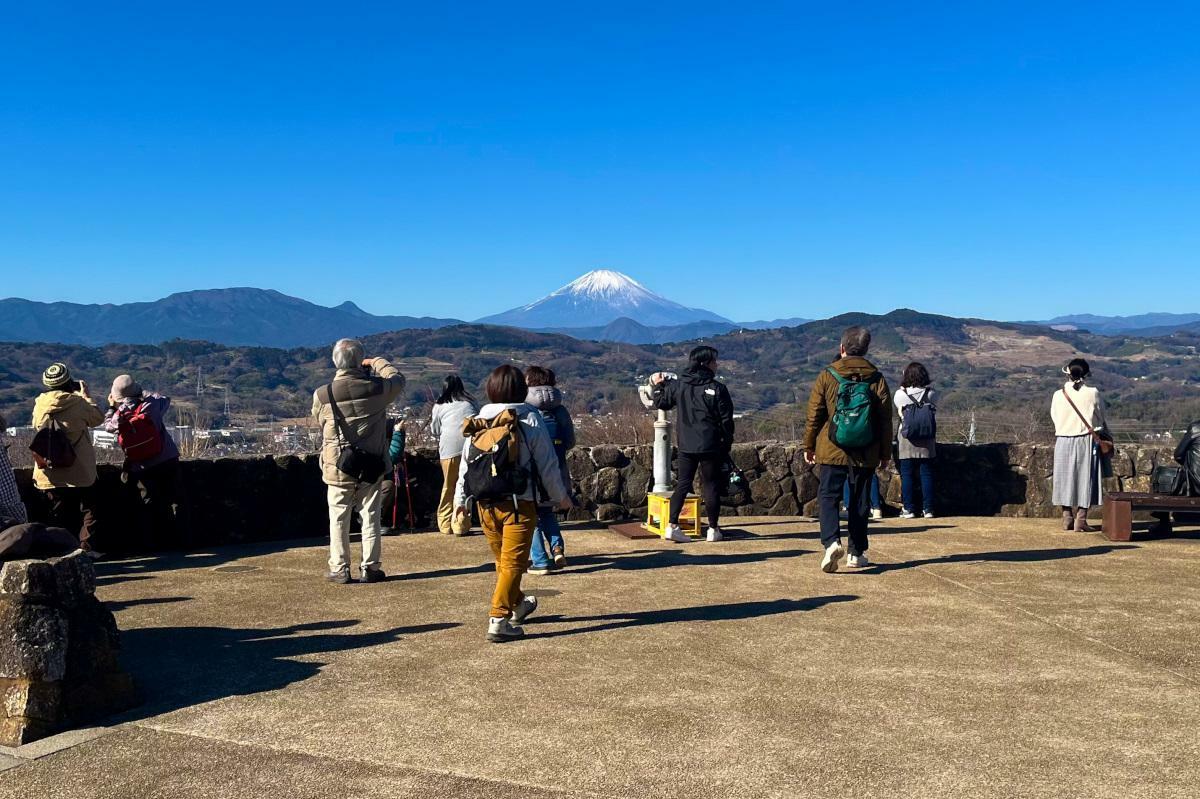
(820, 408)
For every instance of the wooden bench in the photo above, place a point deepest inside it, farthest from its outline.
(1119, 508)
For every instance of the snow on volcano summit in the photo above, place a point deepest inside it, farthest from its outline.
(597, 298)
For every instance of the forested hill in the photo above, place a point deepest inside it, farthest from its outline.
(975, 364)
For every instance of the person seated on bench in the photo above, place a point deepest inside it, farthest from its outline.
(1187, 455)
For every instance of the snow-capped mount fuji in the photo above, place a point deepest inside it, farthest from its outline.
(597, 298)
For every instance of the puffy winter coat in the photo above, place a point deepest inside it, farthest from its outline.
(363, 398)
(77, 416)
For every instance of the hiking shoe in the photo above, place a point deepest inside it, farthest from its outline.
(341, 577)
(928, 514)
(907, 514)
(675, 534)
(876, 513)
(714, 534)
(541, 571)
(524, 610)
(833, 553)
(857, 561)
(560, 559)
(501, 630)
(372, 576)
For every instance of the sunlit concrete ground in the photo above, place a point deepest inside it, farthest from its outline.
(980, 658)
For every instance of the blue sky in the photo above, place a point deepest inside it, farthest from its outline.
(1014, 161)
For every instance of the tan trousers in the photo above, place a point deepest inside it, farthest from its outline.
(510, 535)
(342, 503)
(448, 523)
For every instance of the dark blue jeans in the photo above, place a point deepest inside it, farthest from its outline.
(876, 502)
(547, 530)
(910, 468)
(833, 480)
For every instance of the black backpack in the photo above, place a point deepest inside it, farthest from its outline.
(51, 447)
(493, 464)
(918, 422)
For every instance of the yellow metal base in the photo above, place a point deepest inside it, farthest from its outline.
(658, 515)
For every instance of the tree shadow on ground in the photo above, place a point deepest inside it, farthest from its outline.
(178, 667)
(117, 606)
(1000, 556)
(666, 558)
(143, 567)
(735, 611)
(875, 528)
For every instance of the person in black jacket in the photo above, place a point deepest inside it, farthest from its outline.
(705, 434)
(1187, 455)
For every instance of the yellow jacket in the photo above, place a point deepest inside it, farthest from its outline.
(77, 416)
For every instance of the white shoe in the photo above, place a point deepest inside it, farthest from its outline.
(833, 553)
(714, 534)
(501, 630)
(675, 534)
(928, 514)
(524, 610)
(857, 561)
(907, 514)
(876, 513)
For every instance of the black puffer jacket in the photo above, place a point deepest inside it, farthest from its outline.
(1187, 454)
(705, 419)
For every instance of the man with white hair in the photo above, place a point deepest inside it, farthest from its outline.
(352, 413)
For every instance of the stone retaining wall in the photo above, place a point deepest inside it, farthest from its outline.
(236, 500)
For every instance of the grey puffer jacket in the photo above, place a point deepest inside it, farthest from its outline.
(548, 400)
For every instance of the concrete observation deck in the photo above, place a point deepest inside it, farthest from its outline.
(979, 658)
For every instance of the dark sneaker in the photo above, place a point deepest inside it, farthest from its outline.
(501, 630)
(541, 571)
(372, 576)
(524, 610)
(340, 577)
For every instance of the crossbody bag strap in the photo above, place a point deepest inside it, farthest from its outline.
(1079, 413)
(339, 420)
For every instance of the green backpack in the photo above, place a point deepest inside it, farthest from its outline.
(853, 423)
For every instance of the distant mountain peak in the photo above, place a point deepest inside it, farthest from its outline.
(596, 299)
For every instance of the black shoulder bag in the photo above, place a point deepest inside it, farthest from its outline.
(363, 466)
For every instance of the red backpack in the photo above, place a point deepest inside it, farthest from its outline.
(138, 433)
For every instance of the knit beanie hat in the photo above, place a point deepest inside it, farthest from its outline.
(56, 375)
(125, 387)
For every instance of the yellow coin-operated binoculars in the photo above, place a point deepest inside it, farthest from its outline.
(658, 501)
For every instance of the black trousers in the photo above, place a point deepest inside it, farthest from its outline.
(709, 466)
(833, 481)
(74, 509)
(158, 489)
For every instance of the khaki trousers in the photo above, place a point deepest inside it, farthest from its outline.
(509, 534)
(448, 522)
(342, 503)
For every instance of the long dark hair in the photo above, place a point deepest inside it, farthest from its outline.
(915, 376)
(453, 390)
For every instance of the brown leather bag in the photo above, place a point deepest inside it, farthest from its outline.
(1105, 446)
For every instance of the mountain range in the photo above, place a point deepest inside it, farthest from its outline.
(238, 316)
(602, 305)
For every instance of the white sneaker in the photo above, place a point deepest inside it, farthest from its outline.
(833, 553)
(675, 534)
(907, 514)
(877, 513)
(857, 561)
(501, 630)
(524, 610)
(928, 514)
(714, 534)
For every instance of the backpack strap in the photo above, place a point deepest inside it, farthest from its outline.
(339, 420)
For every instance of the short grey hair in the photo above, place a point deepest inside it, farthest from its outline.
(348, 353)
(856, 340)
